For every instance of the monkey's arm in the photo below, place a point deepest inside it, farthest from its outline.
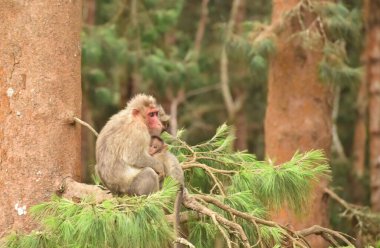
(145, 160)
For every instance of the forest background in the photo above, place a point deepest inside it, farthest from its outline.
(287, 76)
(174, 50)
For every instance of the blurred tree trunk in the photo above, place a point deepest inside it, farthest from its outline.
(128, 88)
(88, 141)
(233, 106)
(241, 125)
(89, 11)
(360, 133)
(372, 19)
(40, 93)
(298, 115)
(241, 132)
(88, 138)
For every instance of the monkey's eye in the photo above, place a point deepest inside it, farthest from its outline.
(152, 114)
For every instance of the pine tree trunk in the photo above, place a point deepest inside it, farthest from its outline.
(298, 115)
(372, 8)
(40, 90)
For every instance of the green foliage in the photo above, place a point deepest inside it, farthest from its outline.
(102, 46)
(291, 181)
(340, 26)
(119, 222)
(334, 69)
(236, 179)
(338, 21)
(334, 26)
(253, 187)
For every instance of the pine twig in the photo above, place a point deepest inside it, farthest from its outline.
(191, 203)
(184, 242)
(205, 167)
(209, 170)
(328, 234)
(249, 217)
(222, 231)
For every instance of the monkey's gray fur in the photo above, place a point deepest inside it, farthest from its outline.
(122, 159)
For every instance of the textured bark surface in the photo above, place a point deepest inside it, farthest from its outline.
(372, 8)
(39, 90)
(298, 115)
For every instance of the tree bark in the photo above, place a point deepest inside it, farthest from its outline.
(372, 8)
(298, 115)
(40, 91)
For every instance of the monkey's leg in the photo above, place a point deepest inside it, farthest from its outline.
(145, 183)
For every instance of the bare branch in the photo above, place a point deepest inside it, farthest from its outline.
(72, 190)
(86, 125)
(318, 230)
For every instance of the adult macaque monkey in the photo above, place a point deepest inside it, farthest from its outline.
(122, 159)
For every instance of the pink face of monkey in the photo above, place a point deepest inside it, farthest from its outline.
(154, 124)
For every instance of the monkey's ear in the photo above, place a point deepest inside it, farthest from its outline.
(135, 112)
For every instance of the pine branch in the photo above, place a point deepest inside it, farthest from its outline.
(70, 189)
(244, 184)
(368, 222)
(191, 203)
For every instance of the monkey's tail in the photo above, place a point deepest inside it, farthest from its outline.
(177, 210)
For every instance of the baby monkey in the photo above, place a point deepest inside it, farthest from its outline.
(159, 150)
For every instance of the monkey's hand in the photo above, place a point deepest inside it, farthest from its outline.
(159, 169)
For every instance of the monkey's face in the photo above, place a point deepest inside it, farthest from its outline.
(155, 146)
(153, 122)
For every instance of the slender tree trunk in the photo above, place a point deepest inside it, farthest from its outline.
(173, 117)
(201, 28)
(175, 101)
(241, 132)
(337, 146)
(360, 133)
(40, 91)
(372, 8)
(298, 115)
(89, 11)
